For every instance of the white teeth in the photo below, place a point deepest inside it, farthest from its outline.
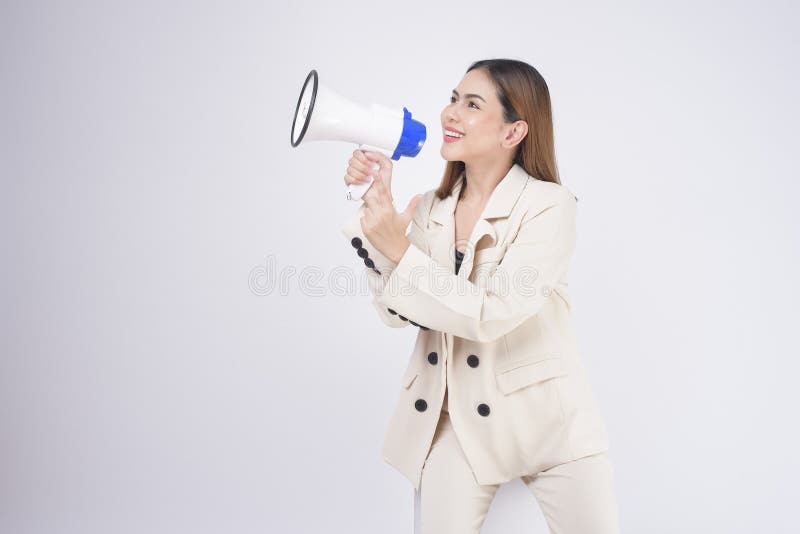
(453, 134)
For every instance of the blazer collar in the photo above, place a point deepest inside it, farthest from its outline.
(500, 203)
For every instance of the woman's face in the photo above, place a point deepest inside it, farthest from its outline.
(475, 111)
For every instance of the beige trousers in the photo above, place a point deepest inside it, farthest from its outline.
(576, 497)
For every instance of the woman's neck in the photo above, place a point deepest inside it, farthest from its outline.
(480, 181)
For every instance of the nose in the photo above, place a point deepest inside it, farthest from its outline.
(450, 114)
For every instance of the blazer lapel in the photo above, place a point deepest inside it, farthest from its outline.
(500, 204)
(443, 214)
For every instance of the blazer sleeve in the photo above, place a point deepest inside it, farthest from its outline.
(532, 265)
(379, 267)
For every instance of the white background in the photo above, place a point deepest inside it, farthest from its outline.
(145, 386)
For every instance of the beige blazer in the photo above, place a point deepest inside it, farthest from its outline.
(499, 331)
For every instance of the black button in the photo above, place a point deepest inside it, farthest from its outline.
(376, 270)
(433, 358)
(369, 263)
(412, 322)
(483, 409)
(356, 242)
(421, 405)
(472, 360)
(403, 318)
(392, 311)
(424, 327)
(362, 252)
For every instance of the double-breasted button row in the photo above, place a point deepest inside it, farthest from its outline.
(420, 404)
(363, 253)
(407, 319)
(473, 361)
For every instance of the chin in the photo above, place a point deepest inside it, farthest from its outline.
(451, 157)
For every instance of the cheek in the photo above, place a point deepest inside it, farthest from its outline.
(477, 126)
(487, 132)
(477, 132)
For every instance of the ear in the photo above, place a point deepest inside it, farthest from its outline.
(516, 134)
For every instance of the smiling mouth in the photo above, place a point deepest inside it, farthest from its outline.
(450, 137)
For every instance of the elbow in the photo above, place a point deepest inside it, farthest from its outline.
(483, 332)
(489, 330)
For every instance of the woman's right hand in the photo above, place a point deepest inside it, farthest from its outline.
(360, 169)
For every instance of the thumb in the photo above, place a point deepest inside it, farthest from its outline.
(408, 213)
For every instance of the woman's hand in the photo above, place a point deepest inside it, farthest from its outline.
(360, 169)
(382, 225)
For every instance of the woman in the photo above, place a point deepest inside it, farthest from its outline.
(495, 388)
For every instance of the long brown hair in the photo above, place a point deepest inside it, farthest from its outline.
(524, 95)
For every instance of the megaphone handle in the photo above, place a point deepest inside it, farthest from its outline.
(356, 191)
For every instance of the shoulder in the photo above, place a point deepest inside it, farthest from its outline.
(541, 195)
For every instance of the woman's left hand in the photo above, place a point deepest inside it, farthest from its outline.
(382, 225)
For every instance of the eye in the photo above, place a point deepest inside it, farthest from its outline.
(453, 99)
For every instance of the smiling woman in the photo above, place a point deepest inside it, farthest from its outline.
(495, 388)
(499, 104)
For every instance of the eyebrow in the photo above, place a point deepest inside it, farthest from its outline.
(469, 95)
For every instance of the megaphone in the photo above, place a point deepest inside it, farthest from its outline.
(325, 115)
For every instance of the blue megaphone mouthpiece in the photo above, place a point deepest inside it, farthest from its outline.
(412, 138)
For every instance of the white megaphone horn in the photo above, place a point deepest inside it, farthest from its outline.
(324, 115)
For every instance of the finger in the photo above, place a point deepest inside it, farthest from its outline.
(411, 208)
(380, 189)
(365, 167)
(358, 170)
(369, 167)
(355, 177)
(373, 155)
(363, 156)
(376, 200)
(369, 197)
(377, 158)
